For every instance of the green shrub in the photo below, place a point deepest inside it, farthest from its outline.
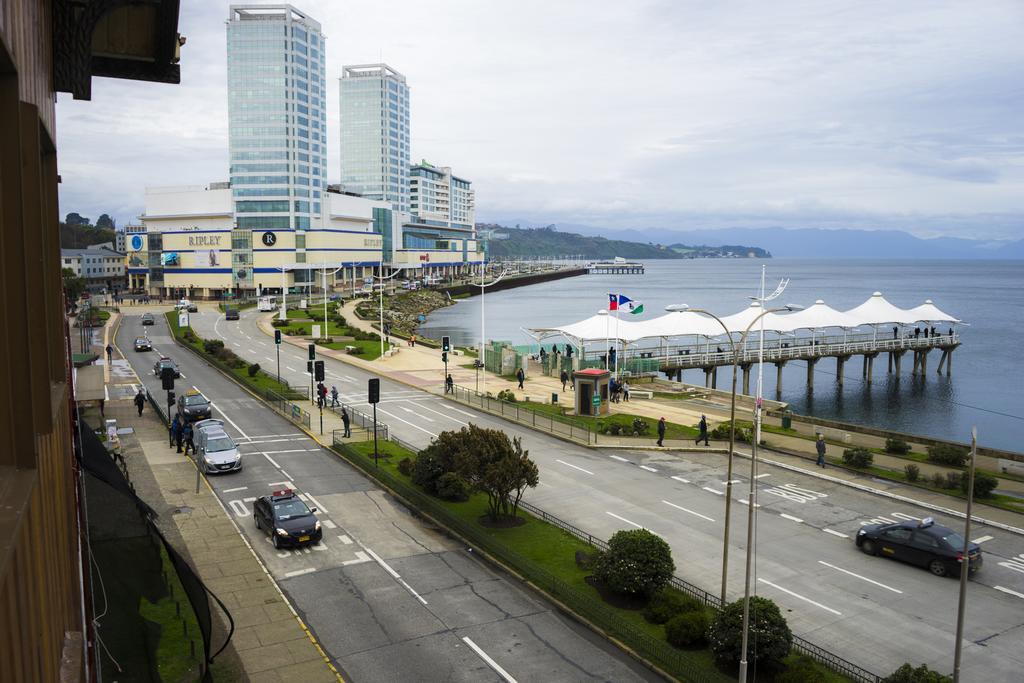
(689, 629)
(507, 395)
(897, 446)
(922, 674)
(939, 480)
(212, 346)
(666, 604)
(277, 322)
(953, 480)
(858, 457)
(640, 427)
(801, 669)
(637, 562)
(744, 431)
(913, 472)
(947, 454)
(450, 486)
(773, 635)
(405, 466)
(984, 484)
(254, 369)
(189, 336)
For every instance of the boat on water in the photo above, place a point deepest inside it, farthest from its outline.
(617, 266)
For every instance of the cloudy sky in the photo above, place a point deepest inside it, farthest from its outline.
(635, 114)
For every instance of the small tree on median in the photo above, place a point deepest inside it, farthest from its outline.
(770, 637)
(637, 562)
(922, 674)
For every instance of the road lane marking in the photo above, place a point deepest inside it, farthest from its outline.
(271, 460)
(360, 558)
(1007, 590)
(982, 539)
(451, 407)
(286, 484)
(835, 533)
(240, 488)
(269, 359)
(294, 450)
(409, 588)
(289, 369)
(762, 476)
(329, 524)
(300, 572)
(407, 422)
(649, 469)
(862, 578)
(685, 481)
(320, 507)
(344, 539)
(797, 595)
(569, 464)
(680, 507)
(237, 428)
(623, 519)
(791, 518)
(619, 458)
(490, 662)
(447, 417)
(410, 410)
(252, 351)
(286, 474)
(732, 481)
(716, 492)
(381, 562)
(747, 502)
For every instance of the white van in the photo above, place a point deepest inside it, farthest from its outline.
(216, 451)
(267, 303)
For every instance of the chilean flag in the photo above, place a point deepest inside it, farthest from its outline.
(616, 300)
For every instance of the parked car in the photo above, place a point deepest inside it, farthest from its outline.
(287, 519)
(143, 344)
(192, 308)
(231, 313)
(193, 406)
(148, 319)
(182, 304)
(923, 543)
(216, 451)
(165, 362)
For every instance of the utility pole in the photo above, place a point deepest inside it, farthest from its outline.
(965, 559)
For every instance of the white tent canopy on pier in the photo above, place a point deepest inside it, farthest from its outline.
(873, 312)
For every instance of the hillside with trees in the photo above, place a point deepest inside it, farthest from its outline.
(78, 232)
(549, 242)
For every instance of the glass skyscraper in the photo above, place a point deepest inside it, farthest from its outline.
(277, 117)
(375, 133)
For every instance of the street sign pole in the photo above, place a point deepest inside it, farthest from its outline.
(373, 391)
(375, 435)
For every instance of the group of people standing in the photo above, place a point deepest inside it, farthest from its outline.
(181, 432)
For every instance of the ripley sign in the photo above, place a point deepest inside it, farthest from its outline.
(204, 240)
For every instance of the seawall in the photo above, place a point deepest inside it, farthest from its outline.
(516, 281)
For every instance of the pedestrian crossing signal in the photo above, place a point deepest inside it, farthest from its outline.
(277, 336)
(373, 387)
(446, 344)
(318, 371)
(444, 356)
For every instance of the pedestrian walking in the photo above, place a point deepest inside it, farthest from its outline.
(110, 353)
(565, 378)
(820, 445)
(521, 376)
(174, 432)
(345, 423)
(186, 435)
(568, 350)
(625, 391)
(661, 431)
(702, 427)
(140, 401)
(449, 384)
(334, 396)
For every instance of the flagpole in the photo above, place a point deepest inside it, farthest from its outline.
(616, 342)
(607, 334)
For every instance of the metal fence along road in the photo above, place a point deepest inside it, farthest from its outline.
(553, 424)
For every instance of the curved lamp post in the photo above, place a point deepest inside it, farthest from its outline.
(732, 417)
(380, 276)
(483, 339)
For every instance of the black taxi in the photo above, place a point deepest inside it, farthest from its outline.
(923, 543)
(287, 519)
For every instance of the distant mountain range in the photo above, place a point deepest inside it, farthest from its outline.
(551, 241)
(820, 243)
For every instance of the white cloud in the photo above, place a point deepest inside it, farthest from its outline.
(688, 114)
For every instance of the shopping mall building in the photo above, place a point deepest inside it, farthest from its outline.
(189, 244)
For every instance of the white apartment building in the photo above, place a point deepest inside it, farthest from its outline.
(99, 265)
(436, 197)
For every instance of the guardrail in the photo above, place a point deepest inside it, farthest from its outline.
(287, 408)
(553, 424)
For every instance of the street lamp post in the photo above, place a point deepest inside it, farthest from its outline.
(483, 338)
(732, 418)
(380, 276)
(965, 559)
(324, 271)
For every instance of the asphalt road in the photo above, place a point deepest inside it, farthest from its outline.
(387, 599)
(872, 611)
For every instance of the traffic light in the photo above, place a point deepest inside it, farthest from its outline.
(446, 343)
(318, 370)
(309, 366)
(277, 336)
(167, 379)
(374, 390)
(444, 356)
(312, 351)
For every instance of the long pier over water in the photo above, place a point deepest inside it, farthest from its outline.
(673, 359)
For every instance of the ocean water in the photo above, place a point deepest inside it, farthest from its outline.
(986, 388)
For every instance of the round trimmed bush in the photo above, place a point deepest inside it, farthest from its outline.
(666, 604)
(984, 484)
(450, 486)
(768, 629)
(405, 466)
(253, 369)
(913, 472)
(858, 457)
(897, 446)
(947, 454)
(637, 562)
(689, 629)
(922, 674)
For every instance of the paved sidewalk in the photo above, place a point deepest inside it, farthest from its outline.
(270, 643)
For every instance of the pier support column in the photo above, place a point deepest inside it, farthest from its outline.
(746, 378)
(924, 361)
(811, 362)
(778, 378)
(840, 362)
(714, 377)
(890, 362)
(870, 359)
(949, 363)
(897, 358)
(707, 377)
(864, 367)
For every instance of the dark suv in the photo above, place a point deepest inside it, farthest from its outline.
(923, 543)
(231, 313)
(193, 406)
(287, 519)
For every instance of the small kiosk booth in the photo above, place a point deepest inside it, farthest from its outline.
(591, 391)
